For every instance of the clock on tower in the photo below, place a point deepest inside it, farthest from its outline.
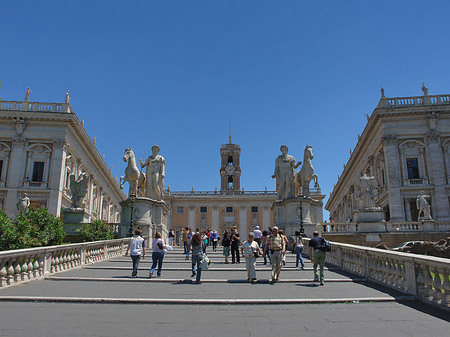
(230, 171)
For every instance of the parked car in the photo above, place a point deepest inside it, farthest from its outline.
(407, 244)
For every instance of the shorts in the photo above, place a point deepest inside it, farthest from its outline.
(226, 251)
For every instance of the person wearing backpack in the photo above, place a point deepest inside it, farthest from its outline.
(317, 256)
(157, 255)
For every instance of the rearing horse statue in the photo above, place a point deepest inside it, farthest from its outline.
(134, 177)
(306, 174)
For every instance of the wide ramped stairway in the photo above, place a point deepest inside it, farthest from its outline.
(101, 299)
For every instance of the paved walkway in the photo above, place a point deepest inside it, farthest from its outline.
(90, 302)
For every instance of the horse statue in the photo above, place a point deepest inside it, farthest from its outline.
(134, 177)
(306, 174)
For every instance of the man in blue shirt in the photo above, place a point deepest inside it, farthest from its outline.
(317, 256)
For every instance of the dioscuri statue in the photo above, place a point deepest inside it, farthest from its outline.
(306, 174)
(154, 174)
(284, 172)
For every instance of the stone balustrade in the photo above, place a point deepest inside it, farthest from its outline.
(426, 277)
(396, 102)
(35, 106)
(408, 226)
(22, 265)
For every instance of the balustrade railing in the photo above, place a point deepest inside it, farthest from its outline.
(426, 277)
(407, 226)
(17, 266)
(416, 101)
(35, 106)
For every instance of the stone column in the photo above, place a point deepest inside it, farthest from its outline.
(91, 197)
(191, 218)
(266, 217)
(100, 201)
(16, 174)
(215, 219)
(56, 177)
(243, 223)
(408, 211)
(440, 205)
(391, 155)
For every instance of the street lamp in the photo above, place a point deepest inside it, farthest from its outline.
(302, 230)
(130, 230)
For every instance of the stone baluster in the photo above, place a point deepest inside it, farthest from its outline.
(437, 285)
(10, 273)
(17, 271)
(36, 272)
(424, 282)
(3, 273)
(64, 265)
(446, 288)
(23, 270)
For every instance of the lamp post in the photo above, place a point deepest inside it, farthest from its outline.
(130, 230)
(302, 230)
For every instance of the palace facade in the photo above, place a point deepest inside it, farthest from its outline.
(221, 210)
(405, 146)
(41, 145)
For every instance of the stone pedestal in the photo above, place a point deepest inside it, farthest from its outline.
(288, 214)
(370, 220)
(428, 225)
(149, 214)
(76, 215)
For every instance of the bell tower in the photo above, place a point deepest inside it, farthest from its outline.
(230, 170)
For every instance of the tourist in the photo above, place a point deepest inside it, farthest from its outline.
(171, 237)
(235, 243)
(258, 235)
(286, 243)
(265, 236)
(317, 256)
(157, 255)
(226, 242)
(298, 249)
(250, 250)
(188, 242)
(275, 243)
(196, 247)
(184, 239)
(214, 239)
(204, 242)
(136, 249)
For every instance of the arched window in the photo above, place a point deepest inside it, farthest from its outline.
(230, 160)
(230, 182)
(412, 153)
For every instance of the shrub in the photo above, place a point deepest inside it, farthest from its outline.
(95, 231)
(34, 228)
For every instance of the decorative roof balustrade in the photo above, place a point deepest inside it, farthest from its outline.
(400, 102)
(35, 106)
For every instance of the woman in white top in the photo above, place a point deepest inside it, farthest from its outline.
(250, 250)
(136, 248)
(157, 255)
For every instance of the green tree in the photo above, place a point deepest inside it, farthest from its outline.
(95, 231)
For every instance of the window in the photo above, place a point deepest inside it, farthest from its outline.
(229, 209)
(230, 182)
(230, 160)
(203, 209)
(38, 171)
(180, 210)
(1, 169)
(413, 168)
(255, 209)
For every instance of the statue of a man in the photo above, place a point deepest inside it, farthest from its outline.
(154, 174)
(27, 95)
(423, 206)
(424, 89)
(67, 96)
(284, 172)
(368, 191)
(23, 203)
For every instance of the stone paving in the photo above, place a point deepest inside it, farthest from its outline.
(103, 300)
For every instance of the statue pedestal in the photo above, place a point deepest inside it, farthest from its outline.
(370, 220)
(149, 214)
(428, 225)
(76, 215)
(288, 214)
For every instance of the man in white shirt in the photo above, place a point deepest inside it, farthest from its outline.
(258, 235)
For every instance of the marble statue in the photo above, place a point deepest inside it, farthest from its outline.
(367, 193)
(382, 92)
(424, 89)
(423, 206)
(23, 204)
(134, 177)
(284, 173)
(78, 189)
(155, 173)
(67, 97)
(306, 174)
(27, 95)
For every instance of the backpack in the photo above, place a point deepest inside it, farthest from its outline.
(325, 245)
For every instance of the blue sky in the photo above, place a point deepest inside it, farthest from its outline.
(177, 73)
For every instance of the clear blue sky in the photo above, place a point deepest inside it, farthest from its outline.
(176, 73)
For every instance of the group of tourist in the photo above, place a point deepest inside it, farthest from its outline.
(273, 248)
